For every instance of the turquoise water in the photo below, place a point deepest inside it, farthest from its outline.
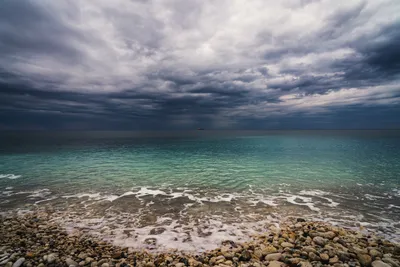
(347, 172)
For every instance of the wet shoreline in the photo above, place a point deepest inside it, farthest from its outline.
(35, 239)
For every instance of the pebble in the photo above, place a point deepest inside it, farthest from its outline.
(374, 253)
(19, 262)
(309, 249)
(319, 241)
(71, 262)
(329, 235)
(364, 259)
(334, 260)
(51, 257)
(313, 257)
(306, 264)
(82, 255)
(379, 264)
(275, 264)
(273, 257)
(245, 256)
(105, 265)
(324, 256)
(287, 245)
(391, 262)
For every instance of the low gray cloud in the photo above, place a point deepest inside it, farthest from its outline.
(181, 64)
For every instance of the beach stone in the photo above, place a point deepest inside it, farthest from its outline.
(300, 220)
(306, 264)
(329, 235)
(379, 264)
(334, 260)
(101, 262)
(313, 256)
(71, 262)
(4, 261)
(273, 257)
(391, 262)
(41, 265)
(269, 249)
(293, 261)
(82, 255)
(287, 245)
(258, 253)
(309, 249)
(180, 264)
(51, 257)
(245, 256)
(157, 230)
(229, 255)
(118, 255)
(186, 262)
(19, 262)
(375, 253)
(196, 263)
(275, 264)
(105, 265)
(319, 241)
(29, 254)
(8, 264)
(324, 256)
(364, 259)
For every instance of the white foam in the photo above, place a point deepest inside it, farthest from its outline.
(45, 200)
(7, 193)
(307, 201)
(320, 194)
(396, 192)
(10, 176)
(313, 192)
(144, 191)
(373, 197)
(9, 188)
(41, 193)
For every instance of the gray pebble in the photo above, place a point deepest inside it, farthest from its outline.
(18, 262)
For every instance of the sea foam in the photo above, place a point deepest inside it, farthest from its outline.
(10, 176)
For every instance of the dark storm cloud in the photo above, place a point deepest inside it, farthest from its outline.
(178, 64)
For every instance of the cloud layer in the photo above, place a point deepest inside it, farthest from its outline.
(141, 64)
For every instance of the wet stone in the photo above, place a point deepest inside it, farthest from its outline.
(245, 256)
(19, 262)
(364, 259)
(319, 241)
(273, 257)
(379, 264)
(157, 231)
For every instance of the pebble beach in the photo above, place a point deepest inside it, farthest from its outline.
(32, 239)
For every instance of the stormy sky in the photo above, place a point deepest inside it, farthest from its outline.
(184, 64)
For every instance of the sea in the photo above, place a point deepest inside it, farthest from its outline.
(191, 190)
